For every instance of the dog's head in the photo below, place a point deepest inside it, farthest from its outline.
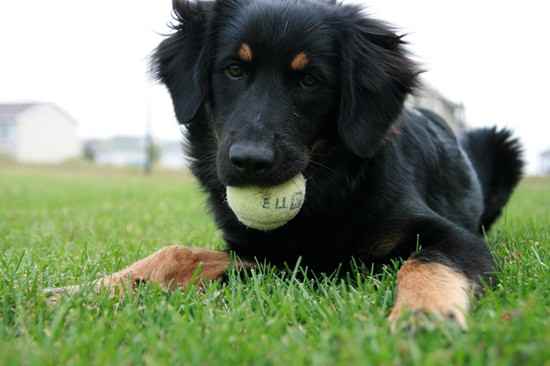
(273, 78)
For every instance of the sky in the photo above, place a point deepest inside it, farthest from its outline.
(91, 59)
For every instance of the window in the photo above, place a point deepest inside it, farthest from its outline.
(6, 130)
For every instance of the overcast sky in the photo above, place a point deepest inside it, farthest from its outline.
(90, 57)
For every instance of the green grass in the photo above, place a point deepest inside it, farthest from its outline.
(59, 229)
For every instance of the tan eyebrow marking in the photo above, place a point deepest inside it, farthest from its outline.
(299, 62)
(245, 53)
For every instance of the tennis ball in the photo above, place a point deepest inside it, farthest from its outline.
(267, 208)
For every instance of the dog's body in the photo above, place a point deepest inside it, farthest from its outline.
(268, 90)
(420, 184)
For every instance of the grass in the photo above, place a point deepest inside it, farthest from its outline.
(59, 228)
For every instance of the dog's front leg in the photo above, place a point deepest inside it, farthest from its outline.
(440, 279)
(171, 267)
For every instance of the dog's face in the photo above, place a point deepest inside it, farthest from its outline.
(272, 79)
(273, 90)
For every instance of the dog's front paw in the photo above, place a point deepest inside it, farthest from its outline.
(417, 317)
(427, 291)
(172, 267)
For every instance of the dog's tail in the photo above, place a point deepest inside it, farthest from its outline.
(497, 159)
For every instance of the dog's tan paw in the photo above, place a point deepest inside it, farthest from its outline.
(409, 318)
(172, 267)
(430, 291)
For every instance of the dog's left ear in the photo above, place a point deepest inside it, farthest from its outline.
(377, 76)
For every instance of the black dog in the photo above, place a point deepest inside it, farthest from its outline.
(269, 89)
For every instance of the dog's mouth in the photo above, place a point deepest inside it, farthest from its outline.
(272, 180)
(306, 164)
(279, 174)
(289, 162)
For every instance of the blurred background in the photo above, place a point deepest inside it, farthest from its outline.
(74, 84)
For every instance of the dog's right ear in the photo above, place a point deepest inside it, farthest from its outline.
(377, 76)
(181, 62)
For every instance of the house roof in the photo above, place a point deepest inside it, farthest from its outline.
(10, 111)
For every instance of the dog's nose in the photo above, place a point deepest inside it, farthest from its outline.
(251, 158)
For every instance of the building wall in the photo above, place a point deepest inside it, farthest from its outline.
(172, 160)
(172, 155)
(545, 163)
(125, 157)
(46, 135)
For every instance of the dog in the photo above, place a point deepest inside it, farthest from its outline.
(271, 89)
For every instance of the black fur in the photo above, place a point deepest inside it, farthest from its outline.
(496, 156)
(381, 179)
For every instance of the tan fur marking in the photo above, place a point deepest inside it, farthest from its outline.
(432, 288)
(299, 62)
(245, 53)
(171, 267)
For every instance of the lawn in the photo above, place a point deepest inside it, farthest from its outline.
(65, 226)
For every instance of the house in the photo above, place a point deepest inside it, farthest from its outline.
(132, 151)
(545, 162)
(118, 151)
(429, 98)
(38, 133)
(172, 155)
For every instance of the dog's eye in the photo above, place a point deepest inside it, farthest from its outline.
(308, 81)
(235, 71)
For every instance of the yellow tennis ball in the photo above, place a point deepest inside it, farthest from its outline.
(267, 208)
